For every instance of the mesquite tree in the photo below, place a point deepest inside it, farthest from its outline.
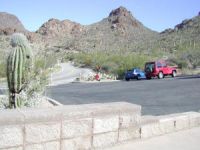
(19, 64)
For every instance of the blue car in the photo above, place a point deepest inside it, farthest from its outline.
(135, 73)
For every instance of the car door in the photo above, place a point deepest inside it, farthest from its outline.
(141, 73)
(165, 68)
(159, 67)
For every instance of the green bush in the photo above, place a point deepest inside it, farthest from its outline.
(114, 63)
(187, 59)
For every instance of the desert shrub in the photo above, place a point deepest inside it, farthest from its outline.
(188, 59)
(39, 64)
(50, 61)
(193, 59)
(68, 57)
(114, 63)
(181, 64)
(109, 67)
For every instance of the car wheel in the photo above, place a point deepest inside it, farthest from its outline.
(138, 77)
(160, 75)
(173, 73)
(127, 79)
(148, 78)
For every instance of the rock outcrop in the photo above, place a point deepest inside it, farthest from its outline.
(9, 24)
(121, 16)
(55, 27)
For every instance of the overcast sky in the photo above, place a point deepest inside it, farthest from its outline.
(155, 14)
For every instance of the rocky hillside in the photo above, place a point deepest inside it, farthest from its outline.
(184, 35)
(10, 24)
(57, 28)
(120, 30)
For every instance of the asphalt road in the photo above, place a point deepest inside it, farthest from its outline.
(157, 97)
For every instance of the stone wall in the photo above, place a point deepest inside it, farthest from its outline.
(154, 126)
(69, 127)
(82, 127)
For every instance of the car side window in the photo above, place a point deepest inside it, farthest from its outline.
(164, 65)
(159, 65)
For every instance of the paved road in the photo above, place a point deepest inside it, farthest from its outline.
(157, 97)
(68, 74)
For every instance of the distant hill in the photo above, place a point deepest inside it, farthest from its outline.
(9, 24)
(119, 31)
(184, 35)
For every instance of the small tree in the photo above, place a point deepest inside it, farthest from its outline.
(19, 66)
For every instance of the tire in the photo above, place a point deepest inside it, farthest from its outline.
(127, 79)
(173, 73)
(138, 77)
(160, 75)
(148, 78)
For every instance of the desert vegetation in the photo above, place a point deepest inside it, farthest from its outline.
(184, 56)
(19, 67)
(115, 63)
(113, 45)
(27, 76)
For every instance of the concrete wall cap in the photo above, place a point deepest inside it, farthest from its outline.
(31, 115)
(11, 116)
(40, 115)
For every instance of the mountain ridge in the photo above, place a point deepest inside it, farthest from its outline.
(120, 30)
(9, 24)
(119, 27)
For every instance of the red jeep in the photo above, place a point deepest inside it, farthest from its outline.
(159, 69)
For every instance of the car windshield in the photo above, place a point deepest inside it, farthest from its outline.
(137, 70)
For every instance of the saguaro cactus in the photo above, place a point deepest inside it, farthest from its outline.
(19, 64)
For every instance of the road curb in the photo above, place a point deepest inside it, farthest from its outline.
(54, 102)
(102, 81)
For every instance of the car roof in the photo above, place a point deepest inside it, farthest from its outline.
(161, 61)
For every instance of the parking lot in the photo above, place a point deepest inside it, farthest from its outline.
(157, 97)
